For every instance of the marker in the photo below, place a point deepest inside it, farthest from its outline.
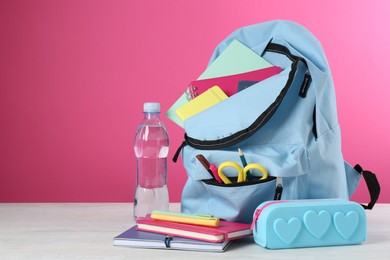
(214, 169)
(194, 219)
(205, 164)
(244, 163)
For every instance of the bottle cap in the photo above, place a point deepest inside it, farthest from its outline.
(152, 107)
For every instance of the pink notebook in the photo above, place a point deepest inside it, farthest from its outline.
(226, 231)
(229, 84)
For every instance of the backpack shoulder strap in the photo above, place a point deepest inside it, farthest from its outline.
(372, 184)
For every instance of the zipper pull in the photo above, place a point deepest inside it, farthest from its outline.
(279, 188)
(176, 156)
(305, 85)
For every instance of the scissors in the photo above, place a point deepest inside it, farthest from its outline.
(241, 172)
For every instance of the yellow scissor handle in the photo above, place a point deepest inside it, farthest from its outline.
(256, 166)
(241, 176)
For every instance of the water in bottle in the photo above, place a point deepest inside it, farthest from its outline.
(151, 145)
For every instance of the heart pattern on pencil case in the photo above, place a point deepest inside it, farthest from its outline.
(346, 224)
(317, 224)
(287, 231)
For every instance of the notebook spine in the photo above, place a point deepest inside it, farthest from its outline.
(191, 92)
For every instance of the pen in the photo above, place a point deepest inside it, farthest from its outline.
(244, 163)
(205, 164)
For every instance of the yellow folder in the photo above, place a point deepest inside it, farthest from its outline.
(205, 100)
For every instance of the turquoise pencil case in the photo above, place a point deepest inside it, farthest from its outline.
(308, 223)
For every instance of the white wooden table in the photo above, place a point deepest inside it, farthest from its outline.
(86, 231)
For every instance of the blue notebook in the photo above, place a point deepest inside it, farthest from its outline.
(135, 238)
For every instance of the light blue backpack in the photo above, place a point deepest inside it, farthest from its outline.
(287, 123)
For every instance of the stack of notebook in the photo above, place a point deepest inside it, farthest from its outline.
(236, 68)
(170, 230)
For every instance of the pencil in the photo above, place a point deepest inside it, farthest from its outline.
(244, 163)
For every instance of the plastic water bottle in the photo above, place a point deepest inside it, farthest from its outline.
(151, 145)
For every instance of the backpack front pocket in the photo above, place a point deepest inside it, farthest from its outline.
(236, 201)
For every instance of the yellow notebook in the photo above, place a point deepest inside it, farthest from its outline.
(205, 100)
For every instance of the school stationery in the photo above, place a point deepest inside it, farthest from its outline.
(207, 99)
(210, 168)
(171, 113)
(235, 59)
(308, 223)
(229, 84)
(244, 163)
(241, 173)
(225, 231)
(288, 123)
(136, 238)
(243, 84)
(214, 169)
(193, 219)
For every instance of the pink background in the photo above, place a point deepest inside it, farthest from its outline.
(75, 74)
